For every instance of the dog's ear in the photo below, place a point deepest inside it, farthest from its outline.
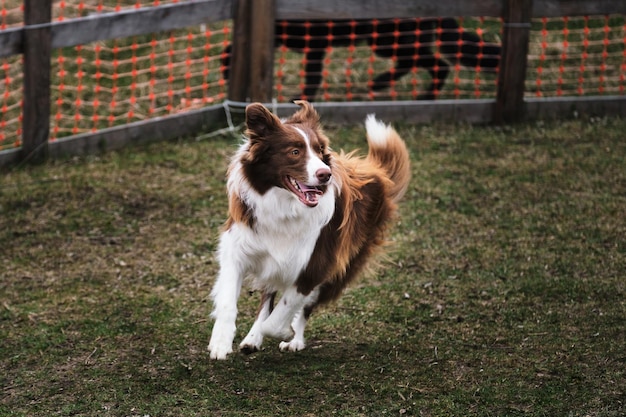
(260, 121)
(306, 115)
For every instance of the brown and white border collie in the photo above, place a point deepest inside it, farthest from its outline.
(303, 221)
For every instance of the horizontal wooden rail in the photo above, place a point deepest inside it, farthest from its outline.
(139, 22)
(122, 24)
(380, 9)
(11, 42)
(366, 9)
(463, 111)
(559, 8)
(188, 123)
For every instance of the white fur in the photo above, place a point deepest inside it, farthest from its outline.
(273, 255)
(377, 131)
(254, 338)
(313, 163)
(298, 325)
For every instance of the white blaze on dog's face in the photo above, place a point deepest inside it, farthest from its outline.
(293, 155)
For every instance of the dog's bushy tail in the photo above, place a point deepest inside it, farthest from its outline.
(388, 150)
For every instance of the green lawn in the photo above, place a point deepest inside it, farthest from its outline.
(503, 293)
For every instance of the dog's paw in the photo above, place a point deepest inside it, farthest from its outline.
(248, 349)
(219, 352)
(220, 346)
(292, 346)
(251, 343)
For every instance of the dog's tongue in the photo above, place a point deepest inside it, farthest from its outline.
(307, 189)
(309, 194)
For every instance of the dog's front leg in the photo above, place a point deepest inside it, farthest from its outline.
(297, 342)
(288, 319)
(225, 295)
(278, 324)
(252, 342)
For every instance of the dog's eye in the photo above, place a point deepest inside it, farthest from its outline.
(295, 152)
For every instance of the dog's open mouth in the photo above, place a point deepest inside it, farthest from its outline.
(307, 194)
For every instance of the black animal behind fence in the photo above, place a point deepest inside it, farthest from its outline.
(431, 44)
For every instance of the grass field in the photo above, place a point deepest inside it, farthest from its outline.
(503, 293)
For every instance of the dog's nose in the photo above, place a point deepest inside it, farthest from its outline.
(323, 175)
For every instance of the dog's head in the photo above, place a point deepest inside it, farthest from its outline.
(291, 154)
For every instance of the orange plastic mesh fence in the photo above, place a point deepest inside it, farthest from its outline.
(117, 81)
(125, 80)
(577, 56)
(113, 82)
(11, 15)
(11, 108)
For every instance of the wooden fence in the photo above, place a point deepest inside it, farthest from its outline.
(252, 61)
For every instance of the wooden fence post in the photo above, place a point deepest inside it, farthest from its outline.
(512, 75)
(37, 50)
(262, 50)
(252, 54)
(239, 63)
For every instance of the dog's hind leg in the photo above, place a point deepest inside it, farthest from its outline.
(297, 341)
(407, 59)
(475, 53)
(298, 325)
(384, 80)
(254, 339)
(313, 73)
(226, 53)
(438, 70)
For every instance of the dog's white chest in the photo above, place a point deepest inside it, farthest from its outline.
(271, 258)
(283, 260)
(280, 245)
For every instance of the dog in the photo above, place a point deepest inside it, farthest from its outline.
(432, 44)
(303, 222)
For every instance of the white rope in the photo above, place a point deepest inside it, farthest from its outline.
(231, 107)
(231, 129)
